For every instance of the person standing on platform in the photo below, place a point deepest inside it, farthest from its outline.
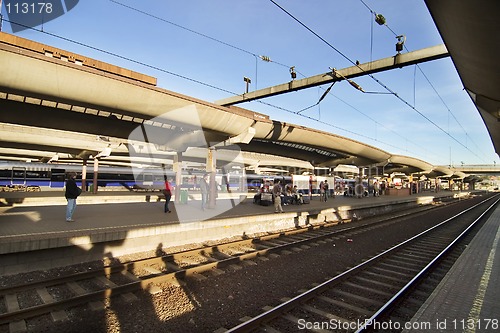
(325, 190)
(167, 192)
(297, 197)
(277, 197)
(321, 190)
(72, 192)
(310, 187)
(204, 191)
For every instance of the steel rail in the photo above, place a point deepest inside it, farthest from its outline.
(369, 322)
(275, 312)
(172, 277)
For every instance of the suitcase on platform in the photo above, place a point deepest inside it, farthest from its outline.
(266, 199)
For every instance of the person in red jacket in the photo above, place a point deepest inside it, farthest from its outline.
(168, 195)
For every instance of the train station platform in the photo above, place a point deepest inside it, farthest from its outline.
(34, 234)
(466, 300)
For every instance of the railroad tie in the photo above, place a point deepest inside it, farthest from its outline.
(105, 281)
(12, 305)
(47, 299)
(18, 327)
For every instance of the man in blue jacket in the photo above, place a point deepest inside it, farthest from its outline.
(72, 192)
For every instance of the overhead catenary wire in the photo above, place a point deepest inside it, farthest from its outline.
(320, 99)
(178, 75)
(262, 57)
(256, 56)
(330, 125)
(122, 57)
(376, 80)
(425, 76)
(203, 83)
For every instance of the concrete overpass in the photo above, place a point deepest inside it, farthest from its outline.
(477, 169)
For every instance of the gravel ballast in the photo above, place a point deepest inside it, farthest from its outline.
(205, 305)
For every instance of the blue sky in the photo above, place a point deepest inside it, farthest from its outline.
(205, 48)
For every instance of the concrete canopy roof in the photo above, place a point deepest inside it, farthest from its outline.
(44, 93)
(470, 32)
(408, 165)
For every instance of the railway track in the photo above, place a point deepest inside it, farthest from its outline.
(55, 296)
(368, 297)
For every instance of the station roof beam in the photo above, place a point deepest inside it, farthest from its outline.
(397, 61)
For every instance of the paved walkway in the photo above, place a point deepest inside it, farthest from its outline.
(109, 211)
(468, 298)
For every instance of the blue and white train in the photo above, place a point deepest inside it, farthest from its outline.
(35, 176)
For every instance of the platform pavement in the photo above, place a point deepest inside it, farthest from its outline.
(125, 211)
(34, 237)
(467, 299)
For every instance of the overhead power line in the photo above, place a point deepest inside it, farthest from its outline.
(210, 85)
(175, 74)
(424, 75)
(264, 58)
(123, 57)
(375, 79)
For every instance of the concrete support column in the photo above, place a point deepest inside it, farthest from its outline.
(358, 188)
(96, 173)
(177, 167)
(84, 176)
(211, 169)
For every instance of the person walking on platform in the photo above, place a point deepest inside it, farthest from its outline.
(71, 193)
(321, 190)
(277, 197)
(204, 191)
(325, 190)
(167, 192)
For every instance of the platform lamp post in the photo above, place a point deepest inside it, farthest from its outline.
(247, 81)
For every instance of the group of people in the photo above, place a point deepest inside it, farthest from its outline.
(324, 190)
(204, 189)
(284, 197)
(281, 196)
(72, 192)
